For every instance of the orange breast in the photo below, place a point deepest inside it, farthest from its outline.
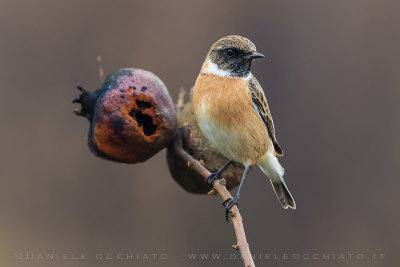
(224, 97)
(227, 102)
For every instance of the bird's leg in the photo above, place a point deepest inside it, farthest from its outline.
(235, 200)
(218, 175)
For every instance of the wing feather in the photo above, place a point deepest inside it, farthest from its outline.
(261, 106)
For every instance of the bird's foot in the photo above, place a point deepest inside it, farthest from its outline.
(212, 177)
(228, 204)
(218, 175)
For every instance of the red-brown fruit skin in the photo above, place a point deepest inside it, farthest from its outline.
(133, 117)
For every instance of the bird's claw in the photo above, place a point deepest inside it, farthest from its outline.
(212, 177)
(228, 204)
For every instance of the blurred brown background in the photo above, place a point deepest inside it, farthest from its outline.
(332, 80)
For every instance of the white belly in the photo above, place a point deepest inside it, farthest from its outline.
(225, 140)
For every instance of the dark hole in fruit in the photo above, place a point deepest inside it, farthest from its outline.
(144, 121)
(143, 104)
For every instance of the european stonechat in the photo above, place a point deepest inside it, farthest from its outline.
(232, 112)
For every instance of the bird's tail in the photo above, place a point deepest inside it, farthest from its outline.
(274, 171)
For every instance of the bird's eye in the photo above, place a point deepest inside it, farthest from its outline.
(230, 52)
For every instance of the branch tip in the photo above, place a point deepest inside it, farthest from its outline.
(100, 66)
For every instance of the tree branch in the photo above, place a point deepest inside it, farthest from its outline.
(219, 187)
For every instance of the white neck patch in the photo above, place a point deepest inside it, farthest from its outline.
(212, 68)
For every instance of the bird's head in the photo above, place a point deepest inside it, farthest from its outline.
(231, 56)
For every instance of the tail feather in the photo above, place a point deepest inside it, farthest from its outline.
(283, 194)
(274, 171)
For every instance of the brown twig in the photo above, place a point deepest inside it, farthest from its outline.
(101, 71)
(241, 245)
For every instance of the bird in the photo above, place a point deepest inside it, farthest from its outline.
(233, 114)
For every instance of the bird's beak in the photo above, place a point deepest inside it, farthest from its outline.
(256, 55)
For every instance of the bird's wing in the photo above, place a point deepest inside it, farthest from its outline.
(261, 106)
